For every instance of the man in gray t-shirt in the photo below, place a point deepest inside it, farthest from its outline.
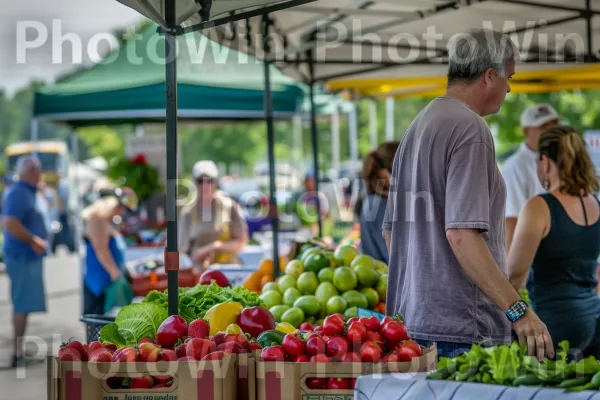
(444, 222)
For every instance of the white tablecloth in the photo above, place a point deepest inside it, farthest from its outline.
(415, 387)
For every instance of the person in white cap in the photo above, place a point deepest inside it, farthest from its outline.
(212, 229)
(520, 169)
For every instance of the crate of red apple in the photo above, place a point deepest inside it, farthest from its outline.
(181, 360)
(327, 361)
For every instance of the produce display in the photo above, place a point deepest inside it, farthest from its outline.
(219, 306)
(322, 282)
(354, 340)
(175, 340)
(511, 366)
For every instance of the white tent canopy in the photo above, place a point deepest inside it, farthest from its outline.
(198, 11)
(371, 39)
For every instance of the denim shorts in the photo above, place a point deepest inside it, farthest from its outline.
(447, 349)
(26, 284)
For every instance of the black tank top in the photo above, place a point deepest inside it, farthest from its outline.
(565, 263)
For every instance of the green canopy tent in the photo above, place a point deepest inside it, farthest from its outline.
(128, 86)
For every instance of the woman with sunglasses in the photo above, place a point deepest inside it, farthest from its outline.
(376, 171)
(558, 235)
(212, 229)
(105, 247)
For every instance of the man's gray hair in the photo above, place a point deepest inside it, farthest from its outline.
(27, 163)
(471, 54)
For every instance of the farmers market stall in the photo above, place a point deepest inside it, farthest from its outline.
(416, 387)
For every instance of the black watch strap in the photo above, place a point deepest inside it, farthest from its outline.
(516, 311)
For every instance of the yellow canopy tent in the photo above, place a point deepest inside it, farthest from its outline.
(535, 78)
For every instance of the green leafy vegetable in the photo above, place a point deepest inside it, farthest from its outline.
(511, 366)
(133, 323)
(194, 302)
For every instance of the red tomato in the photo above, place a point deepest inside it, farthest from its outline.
(370, 352)
(396, 317)
(316, 345)
(302, 358)
(351, 357)
(238, 338)
(319, 329)
(320, 358)
(340, 316)
(373, 337)
(333, 325)
(316, 383)
(356, 332)
(414, 346)
(293, 345)
(352, 382)
(392, 357)
(337, 347)
(255, 346)
(273, 353)
(338, 384)
(394, 332)
(307, 327)
(353, 319)
(406, 354)
(371, 323)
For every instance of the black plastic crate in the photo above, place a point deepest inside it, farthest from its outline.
(95, 323)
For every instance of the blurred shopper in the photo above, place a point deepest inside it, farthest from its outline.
(213, 228)
(305, 204)
(105, 247)
(520, 171)
(26, 230)
(558, 235)
(376, 172)
(444, 222)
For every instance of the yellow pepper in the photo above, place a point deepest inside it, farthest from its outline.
(220, 316)
(285, 327)
(233, 329)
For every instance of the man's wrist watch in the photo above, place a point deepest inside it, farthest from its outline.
(517, 311)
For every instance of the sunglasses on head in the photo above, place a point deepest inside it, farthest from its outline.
(126, 200)
(205, 179)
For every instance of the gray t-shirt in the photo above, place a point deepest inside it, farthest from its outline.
(445, 176)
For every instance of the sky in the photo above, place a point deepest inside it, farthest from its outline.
(25, 55)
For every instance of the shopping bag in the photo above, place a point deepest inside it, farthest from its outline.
(118, 294)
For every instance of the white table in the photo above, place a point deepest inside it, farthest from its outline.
(415, 387)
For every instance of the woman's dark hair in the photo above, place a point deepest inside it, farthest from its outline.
(565, 146)
(375, 161)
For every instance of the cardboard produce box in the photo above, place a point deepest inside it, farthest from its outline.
(206, 380)
(246, 376)
(287, 381)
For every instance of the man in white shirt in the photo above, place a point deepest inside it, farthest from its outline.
(520, 169)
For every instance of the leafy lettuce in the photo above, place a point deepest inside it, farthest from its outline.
(194, 302)
(133, 323)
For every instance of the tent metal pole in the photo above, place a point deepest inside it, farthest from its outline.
(590, 47)
(389, 118)
(171, 251)
(335, 140)
(314, 137)
(35, 126)
(373, 124)
(273, 212)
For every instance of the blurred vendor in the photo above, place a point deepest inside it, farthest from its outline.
(212, 229)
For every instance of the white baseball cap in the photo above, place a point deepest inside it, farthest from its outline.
(205, 168)
(538, 115)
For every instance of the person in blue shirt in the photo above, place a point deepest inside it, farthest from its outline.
(376, 172)
(26, 228)
(105, 247)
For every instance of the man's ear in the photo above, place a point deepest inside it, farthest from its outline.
(526, 131)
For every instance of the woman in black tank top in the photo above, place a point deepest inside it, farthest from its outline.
(558, 235)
